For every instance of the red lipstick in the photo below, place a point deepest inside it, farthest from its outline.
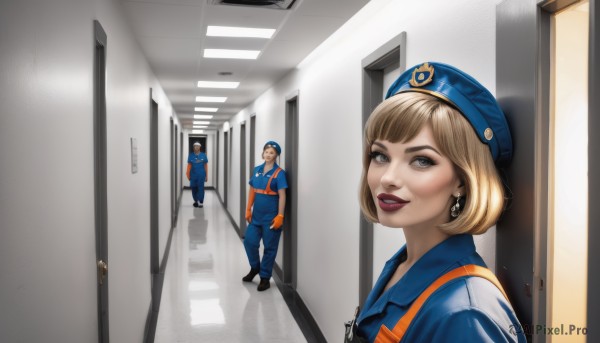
(390, 202)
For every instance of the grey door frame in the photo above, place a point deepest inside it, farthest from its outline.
(225, 166)
(243, 178)
(173, 154)
(523, 93)
(593, 311)
(252, 162)
(100, 180)
(290, 233)
(218, 150)
(520, 94)
(154, 189)
(180, 166)
(393, 51)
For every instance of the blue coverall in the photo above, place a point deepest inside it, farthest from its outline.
(265, 208)
(468, 309)
(197, 175)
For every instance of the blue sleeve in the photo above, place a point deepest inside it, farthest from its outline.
(205, 157)
(190, 160)
(251, 181)
(281, 180)
(471, 325)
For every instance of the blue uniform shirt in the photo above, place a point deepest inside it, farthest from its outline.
(266, 206)
(197, 174)
(468, 309)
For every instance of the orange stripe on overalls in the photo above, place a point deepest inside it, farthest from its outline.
(396, 334)
(268, 190)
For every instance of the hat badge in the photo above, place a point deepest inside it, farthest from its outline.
(422, 75)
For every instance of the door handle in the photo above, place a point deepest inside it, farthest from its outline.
(102, 270)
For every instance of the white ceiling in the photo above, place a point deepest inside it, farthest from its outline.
(172, 34)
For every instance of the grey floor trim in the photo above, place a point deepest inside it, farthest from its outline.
(157, 285)
(300, 312)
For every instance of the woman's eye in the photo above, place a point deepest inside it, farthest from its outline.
(422, 162)
(378, 157)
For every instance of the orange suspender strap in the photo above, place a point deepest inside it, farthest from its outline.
(268, 190)
(387, 336)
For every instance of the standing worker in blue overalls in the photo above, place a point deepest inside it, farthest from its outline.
(197, 173)
(267, 194)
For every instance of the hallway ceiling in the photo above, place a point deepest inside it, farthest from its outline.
(172, 35)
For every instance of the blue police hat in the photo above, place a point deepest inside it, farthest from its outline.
(274, 145)
(463, 92)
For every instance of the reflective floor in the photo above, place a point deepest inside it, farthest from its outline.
(203, 297)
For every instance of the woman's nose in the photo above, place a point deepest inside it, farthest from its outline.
(391, 177)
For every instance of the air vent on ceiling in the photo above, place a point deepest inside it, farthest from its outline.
(274, 4)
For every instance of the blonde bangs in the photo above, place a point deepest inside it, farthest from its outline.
(397, 119)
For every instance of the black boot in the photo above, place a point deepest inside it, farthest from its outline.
(263, 285)
(195, 204)
(251, 275)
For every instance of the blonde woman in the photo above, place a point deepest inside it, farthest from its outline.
(429, 168)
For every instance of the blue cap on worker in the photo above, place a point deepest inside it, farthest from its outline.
(274, 145)
(467, 95)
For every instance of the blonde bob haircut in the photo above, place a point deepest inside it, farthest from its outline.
(400, 118)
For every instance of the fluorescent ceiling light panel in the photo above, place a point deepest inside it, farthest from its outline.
(205, 109)
(203, 116)
(247, 32)
(200, 126)
(226, 53)
(211, 98)
(217, 84)
(201, 122)
(197, 131)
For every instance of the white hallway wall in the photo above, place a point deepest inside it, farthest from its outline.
(47, 238)
(329, 86)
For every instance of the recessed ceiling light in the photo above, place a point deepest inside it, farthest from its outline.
(197, 131)
(203, 116)
(227, 53)
(200, 126)
(217, 84)
(206, 109)
(196, 122)
(229, 31)
(211, 99)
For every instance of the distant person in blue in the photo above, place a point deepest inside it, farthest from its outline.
(264, 213)
(429, 167)
(197, 173)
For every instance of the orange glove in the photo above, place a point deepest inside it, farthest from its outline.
(188, 171)
(277, 222)
(251, 196)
